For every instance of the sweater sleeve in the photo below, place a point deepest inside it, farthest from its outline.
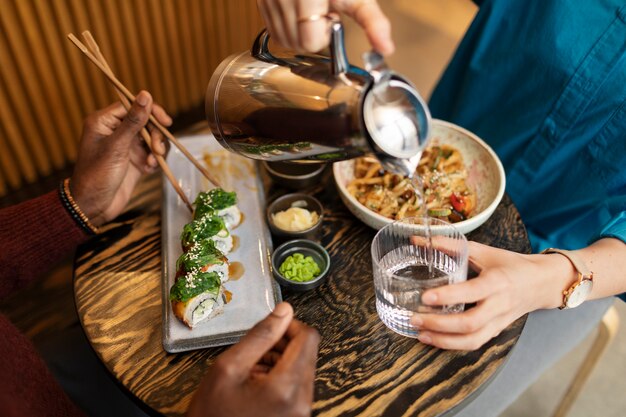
(27, 387)
(34, 236)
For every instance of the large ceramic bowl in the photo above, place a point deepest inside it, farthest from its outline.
(485, 176)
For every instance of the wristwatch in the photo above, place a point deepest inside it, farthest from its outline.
(578, 292)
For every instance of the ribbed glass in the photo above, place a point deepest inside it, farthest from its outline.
(410, 256)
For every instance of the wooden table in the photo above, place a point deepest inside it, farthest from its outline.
(363, 368)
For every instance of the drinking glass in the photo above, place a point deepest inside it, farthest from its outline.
(410, 256)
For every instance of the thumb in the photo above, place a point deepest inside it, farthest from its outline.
(260, 339)
(134, 121)
(368, 14)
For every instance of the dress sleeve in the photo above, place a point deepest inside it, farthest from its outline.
(616, 228)
(34, 236)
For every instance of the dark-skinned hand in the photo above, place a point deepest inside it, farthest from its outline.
(270, 372)
(112, 157)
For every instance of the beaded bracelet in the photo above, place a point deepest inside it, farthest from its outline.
(75, 211)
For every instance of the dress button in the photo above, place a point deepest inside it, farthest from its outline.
(549, 130)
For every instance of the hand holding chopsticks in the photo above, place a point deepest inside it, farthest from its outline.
(126, 97)
(144, 132)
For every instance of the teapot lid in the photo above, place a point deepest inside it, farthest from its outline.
(396, 118)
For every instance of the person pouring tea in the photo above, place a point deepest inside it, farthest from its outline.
(543, 84)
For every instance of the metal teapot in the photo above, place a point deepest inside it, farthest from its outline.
(311, 108)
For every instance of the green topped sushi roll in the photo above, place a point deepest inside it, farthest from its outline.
(198, 293)
(203, 256)
(207, 227)
(197, 296)
(220, 203)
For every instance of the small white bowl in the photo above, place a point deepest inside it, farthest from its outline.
(485, 176)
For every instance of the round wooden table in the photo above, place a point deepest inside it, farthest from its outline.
(363, 368)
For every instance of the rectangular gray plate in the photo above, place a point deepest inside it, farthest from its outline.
(254, 294)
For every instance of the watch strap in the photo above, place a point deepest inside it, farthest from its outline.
(584, 274)
(578, 263)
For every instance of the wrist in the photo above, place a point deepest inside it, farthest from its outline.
(86, 203)
(74, 208)
(558, 275)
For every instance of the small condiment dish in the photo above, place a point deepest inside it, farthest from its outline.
(306, 248)
(288, 201)
(292, 175)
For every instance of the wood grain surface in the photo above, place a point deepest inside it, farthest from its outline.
(363, 368)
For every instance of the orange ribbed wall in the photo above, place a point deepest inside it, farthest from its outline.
(47, 87)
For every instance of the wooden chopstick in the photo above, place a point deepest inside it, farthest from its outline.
(91, 43)
(121, 88)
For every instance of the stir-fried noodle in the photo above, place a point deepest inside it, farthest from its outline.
(443, 175)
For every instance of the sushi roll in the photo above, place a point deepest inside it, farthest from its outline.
(220, 203)
(231, 216)
(197, 296)
(203, 256)
(207, 227)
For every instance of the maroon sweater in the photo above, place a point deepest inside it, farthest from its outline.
(34, 236)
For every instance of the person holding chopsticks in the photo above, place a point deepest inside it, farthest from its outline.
(272, 368)
(38, 233)
(543, 84)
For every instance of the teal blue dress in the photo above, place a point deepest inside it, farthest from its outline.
(544, 83)
(549, 96)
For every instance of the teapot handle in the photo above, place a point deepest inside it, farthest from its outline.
(260, 49)
(339, 59)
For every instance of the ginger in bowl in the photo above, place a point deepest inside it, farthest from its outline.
(463, 180)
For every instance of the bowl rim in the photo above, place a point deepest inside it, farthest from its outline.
(320, 216)
(317, 247)
(485, 213)
(293, 177)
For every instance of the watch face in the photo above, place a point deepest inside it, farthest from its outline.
(579, 293)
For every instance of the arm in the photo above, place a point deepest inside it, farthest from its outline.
(36, 234)
(287, 22)
(271, 371)
(510, 285)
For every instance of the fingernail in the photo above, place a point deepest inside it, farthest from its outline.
(416, 321)
(142, 99)
(282, 310)
(429, 297)
(424, 338)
